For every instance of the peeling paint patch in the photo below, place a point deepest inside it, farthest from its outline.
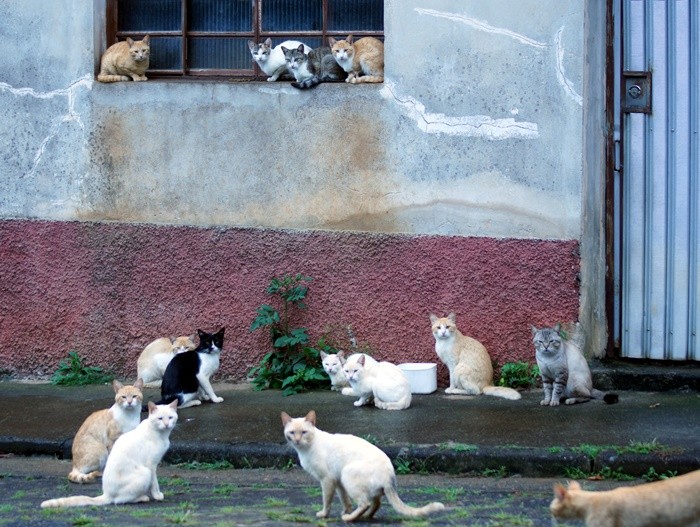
(482, 26)
(561, 73)
(468, 125)
(70, 115)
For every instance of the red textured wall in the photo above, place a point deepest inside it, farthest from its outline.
(107, 289)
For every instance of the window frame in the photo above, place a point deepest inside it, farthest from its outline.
(256, 34)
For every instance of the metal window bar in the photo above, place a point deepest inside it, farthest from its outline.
(188, 39)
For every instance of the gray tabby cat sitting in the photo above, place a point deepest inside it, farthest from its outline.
(565, 373)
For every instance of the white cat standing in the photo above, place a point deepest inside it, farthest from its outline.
(383, 381)
(130, 473)
(471, 372)
(355, 468)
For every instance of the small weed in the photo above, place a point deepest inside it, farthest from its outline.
(72, 372)
(604, 473)
(175, 482)
(402, 466)
(313, 492)
(575, 473)
(82, 521)
(555, 450)
(519, 374)
(371, 439)
(19, 495)
(203, 465)
(504, 519)
(590, 450)
(653, 475)
(6, 507)
(500, 472)
(182, 516)
(226, 489)
(458, 447)
(641, 447)
(276, 502)
(453, 493)
(415, 523)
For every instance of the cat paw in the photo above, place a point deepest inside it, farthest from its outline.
(544, 402)
(217, 399)
(158, 496)
(322, 514)
(554, 402)
(450, 390)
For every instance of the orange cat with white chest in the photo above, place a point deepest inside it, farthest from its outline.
(673, 502)
(363, 60)
(125, 60)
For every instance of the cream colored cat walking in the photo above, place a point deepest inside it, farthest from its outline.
(471, 372)
(355, 468)
(673, 502)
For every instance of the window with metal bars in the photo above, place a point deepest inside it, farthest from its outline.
(196, 38)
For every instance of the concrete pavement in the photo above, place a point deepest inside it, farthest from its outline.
(439, 433)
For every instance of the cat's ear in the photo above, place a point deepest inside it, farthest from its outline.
(349, 39)
(285, 418)
(251, 45)
(117, 385)
(139, 383)
(559, 491)
(129, 41)
(534, 330)
(452, 318)
(151, 407)
(341, 355)
(557, 328)
(173, 405)
(331, 41)
(311, 417)
(323, 355)
(301, 48)
(574, 485)
(221, 331)
(147, 40)
(284, 50)
(361, 360)
(268, 42)
(433, 318)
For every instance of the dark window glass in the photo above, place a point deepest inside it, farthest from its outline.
(348, 15)
(149, 15)
(292, 15)
(166, 53)
(218, 53)
(220, 15)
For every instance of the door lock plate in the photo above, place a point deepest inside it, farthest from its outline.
(636, 91)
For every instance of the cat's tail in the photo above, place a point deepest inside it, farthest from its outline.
(609, 398)
(308, 83)
(75, 501)
(407, 510)
(502, 391)
(81, 477)
(105, 77)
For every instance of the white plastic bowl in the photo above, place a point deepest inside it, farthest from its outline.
(421, 375)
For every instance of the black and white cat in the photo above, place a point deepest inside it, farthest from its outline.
(312, 68)
(187, 376)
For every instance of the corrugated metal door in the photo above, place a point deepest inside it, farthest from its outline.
(657, 191)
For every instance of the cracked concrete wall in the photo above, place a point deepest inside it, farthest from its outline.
(476, 131)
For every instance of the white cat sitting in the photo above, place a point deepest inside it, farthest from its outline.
(383, 381)
(271, 60)
(355, 468)
(130, 473)
(333, 365)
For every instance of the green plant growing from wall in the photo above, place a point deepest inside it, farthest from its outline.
(519, 374)
(72, 372)
(293, 365)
